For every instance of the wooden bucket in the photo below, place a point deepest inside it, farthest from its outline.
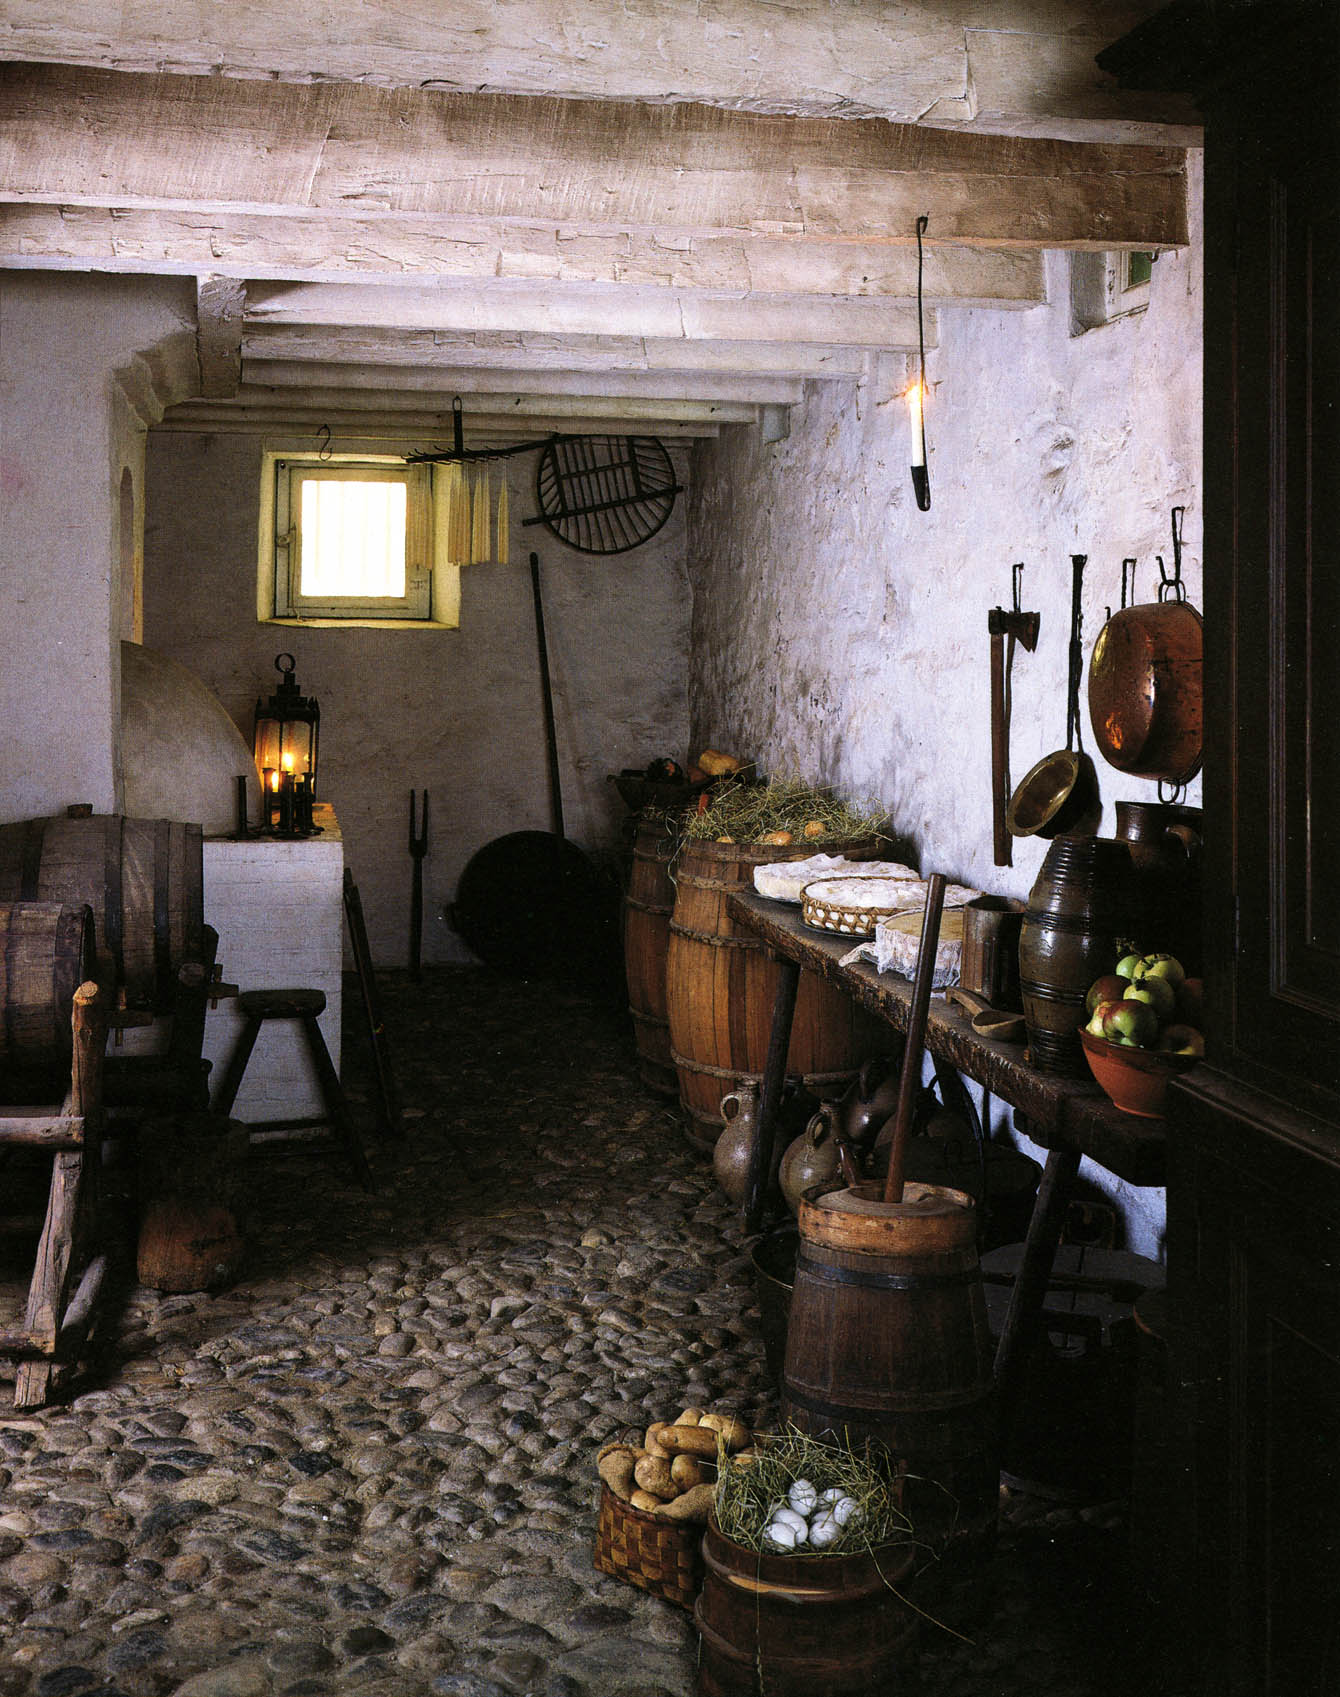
(888, 1343)
(803, 1626)
(646, 932)
(143, 879)
(721, 986)
(46, 953)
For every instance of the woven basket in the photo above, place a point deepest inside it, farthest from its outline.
(661, 1556)
(835, 904)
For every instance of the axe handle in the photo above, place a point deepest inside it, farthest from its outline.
(1000, 754)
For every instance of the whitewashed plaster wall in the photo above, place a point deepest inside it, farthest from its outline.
(86, 364)
(457, 712)
(840, 635)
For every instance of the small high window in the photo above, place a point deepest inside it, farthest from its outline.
(1108, 286)
(349, 540)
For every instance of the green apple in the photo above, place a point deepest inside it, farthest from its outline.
(1126, 966)
(1130, 1021)
(1160, 966)
(1158, 992)
(1181, 1040)
(1108, 988)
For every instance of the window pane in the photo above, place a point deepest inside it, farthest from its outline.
(353, 538)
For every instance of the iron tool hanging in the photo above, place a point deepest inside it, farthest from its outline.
(604, 494)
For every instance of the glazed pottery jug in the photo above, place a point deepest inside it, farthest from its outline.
(811, 1159)
(1080, 911)
(735, 1145)
(1165, 844)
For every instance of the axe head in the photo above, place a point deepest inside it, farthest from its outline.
(1023, 627)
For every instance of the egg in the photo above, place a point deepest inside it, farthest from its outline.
(824, 1530)
(846, 1512)
(802, 1496)
(797, 1522)
(779, 1535)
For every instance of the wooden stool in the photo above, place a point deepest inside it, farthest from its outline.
(306, 1006)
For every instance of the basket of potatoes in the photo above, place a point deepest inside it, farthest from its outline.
(655, 1498)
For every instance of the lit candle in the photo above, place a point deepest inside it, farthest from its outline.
(917, 420)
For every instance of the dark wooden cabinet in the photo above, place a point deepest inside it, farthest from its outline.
(1254, 1135)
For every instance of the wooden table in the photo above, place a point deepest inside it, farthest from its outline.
(1068, 1117)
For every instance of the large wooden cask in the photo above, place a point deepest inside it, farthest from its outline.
(648, 904)
(721, 984)
(46, 953)
(142, 878)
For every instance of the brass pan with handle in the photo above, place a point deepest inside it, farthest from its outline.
(1146, 703)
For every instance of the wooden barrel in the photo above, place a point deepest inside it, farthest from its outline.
(46, 953)
(721, 985)
(888, 1343)
(647, 907)
(803, 1626)
(1078, 908)
(143, 879)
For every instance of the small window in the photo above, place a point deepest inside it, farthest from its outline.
(1108, 286)
(352, 540)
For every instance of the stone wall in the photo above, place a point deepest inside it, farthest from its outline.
(456, 712)
(840, 635)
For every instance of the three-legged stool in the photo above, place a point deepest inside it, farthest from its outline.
(306, 1006)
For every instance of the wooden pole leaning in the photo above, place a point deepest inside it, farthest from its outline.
(916, 1036)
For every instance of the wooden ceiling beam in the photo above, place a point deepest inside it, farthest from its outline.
(576, 310)
(216, 144)
(488, 418)
(1018, 66)
(428, 351)
(397, 247)
(757, 390)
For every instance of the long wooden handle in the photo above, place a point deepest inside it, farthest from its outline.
(1000, 757)
(910, 1081)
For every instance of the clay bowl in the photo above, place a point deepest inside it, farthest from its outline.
(1135, 1080)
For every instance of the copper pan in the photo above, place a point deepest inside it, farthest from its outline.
(1145, 696)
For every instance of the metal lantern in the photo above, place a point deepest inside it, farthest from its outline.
(287, 728)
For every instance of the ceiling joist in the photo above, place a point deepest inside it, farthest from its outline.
(399, 248)
(1023, 67)
(218, 144)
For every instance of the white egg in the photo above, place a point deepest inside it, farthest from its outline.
(845, 1511)
(824, 1530)
(802, 1496)
(834, 1494)
(779, 1535)
(797, 1522)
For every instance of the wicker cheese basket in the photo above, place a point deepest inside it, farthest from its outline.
(657, 1555)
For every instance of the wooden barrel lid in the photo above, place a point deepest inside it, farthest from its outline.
(931, 1218)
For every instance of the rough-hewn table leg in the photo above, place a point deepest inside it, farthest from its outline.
(770, 1096)
(1023, 1316)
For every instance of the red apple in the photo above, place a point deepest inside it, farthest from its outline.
(1108, 988)
(1129, 1021)
(1181, 1040)
(1158, 992)
(1191, 1001)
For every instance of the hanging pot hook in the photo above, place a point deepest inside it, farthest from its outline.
(1176, 793)
(1172, 588)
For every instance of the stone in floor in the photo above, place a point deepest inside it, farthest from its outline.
(369, 1467)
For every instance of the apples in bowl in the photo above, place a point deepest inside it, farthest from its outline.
(1140, 1033)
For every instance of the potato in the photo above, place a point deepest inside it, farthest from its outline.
(652, 1473)
(687, 1471)
(694, 1505)
(689, 1440)
(689, 1417)
(813, 828)
(644, 1500)
(734, 1433)
(650, 1443)
(615, 1466)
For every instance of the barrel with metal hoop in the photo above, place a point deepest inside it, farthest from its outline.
(142, 878)
(721, 986)
(888, 1343)
(648, 904)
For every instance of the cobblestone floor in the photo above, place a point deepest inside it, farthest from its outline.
(369, 1466)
